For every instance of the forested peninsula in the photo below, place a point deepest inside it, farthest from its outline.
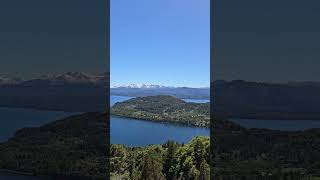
(163, 108)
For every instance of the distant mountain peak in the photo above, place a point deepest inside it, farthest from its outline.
(155, 86)
(68, 78)
(74, 77)
(142, 86)
(5, 80)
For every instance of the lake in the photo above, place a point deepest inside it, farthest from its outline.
(8, 176)
(133, 132)
(197, 100)
(130, 132)
(114, 99)
(124, 131)
(283, 125)
(13, 119)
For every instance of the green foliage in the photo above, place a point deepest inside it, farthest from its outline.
(264, 154)
(169, 161)
(164, 109)
(74, 147)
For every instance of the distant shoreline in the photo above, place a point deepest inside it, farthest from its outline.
(14, 172)
(21, 173)
(38, 109)
(280, 117)
(193, 98)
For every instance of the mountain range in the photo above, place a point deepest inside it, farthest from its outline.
(69, 78)
(142, 86)
(9, 80)
(81, 92)
(140, 90)
(71, 91)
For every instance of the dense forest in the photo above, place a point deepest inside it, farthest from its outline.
(75, 147)
(162, 162)
(241, 154)
(164, 108)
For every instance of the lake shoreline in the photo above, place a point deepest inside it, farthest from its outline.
(142, 133)
(277, 125)
(8, 171)
(177, 124)
(164, 108)
(39, 109)
(47, 177)
(191, 98)
(22, 173)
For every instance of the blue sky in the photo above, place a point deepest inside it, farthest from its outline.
(272, 41)
(52, 37)
(164, 42)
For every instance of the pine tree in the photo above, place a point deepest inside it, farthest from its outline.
(204, 171)
(169, 159)
(151, 166)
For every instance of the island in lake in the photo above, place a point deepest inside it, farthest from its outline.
(163, 108)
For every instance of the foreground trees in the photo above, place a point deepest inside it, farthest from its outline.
(170, 161)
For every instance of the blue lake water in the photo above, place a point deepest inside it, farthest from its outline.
(130, 132)
(8, 176)
(197, 100)
(114, 99)
(13, 119)
(125, 131)
(133, 132)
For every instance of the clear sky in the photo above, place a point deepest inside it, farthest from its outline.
(48, 37)
(273, 41)
(164, 42)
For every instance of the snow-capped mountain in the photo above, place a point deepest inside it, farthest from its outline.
(135, 90)
(76, 78)
(142, 86)
(5, 80)
(69, 78)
